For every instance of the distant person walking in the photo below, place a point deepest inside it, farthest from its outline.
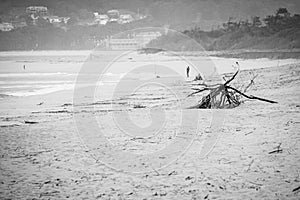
(188, 71)
(24, 67)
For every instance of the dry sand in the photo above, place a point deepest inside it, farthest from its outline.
(46, 160)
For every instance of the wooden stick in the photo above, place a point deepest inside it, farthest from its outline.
(276, 151)
(231, 79)
(198, 92)
(295, 189)
(227, 95)
(251, 83)
(251, 96)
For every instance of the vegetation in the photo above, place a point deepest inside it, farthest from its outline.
(244, 34)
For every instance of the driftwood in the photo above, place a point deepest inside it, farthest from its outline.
(223, 95)
(30, 122)
(295, 189)
(278, 149)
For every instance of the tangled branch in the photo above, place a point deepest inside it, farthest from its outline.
(223, 95)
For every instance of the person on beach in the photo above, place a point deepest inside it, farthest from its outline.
(188, 72)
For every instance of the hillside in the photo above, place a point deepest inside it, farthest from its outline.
(215, 24)
(177, 13)
(281, 31)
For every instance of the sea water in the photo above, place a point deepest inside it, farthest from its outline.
(38, 73)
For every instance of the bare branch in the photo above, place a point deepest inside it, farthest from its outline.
(251, 96)
(198, 92)
(251, 83)
(231, 79)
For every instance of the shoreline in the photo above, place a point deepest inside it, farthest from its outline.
(241, 53)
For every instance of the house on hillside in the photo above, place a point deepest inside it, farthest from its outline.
(6, 26)
(113, 15)
(37, 10)
(56, 19)
(120, 16)
(126, 18)
(100, 19)
(121, 43)
(131, 41)
(145, 37)
(53, 19)
(140, 16)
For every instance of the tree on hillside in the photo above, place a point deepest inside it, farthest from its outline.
(281, 19)
(231, 26)
(283, 12)
(270, 21)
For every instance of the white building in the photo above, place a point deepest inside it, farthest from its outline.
(56, 19)
(126, 18)
(145, 37)
(113, 15)
(134, 41)
(6, 27)
(121, 44)
(101, 19)
(40, 10)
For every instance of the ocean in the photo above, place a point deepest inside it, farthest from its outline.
(27, 84)
(51, 71)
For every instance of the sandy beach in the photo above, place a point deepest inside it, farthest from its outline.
(42, 155)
